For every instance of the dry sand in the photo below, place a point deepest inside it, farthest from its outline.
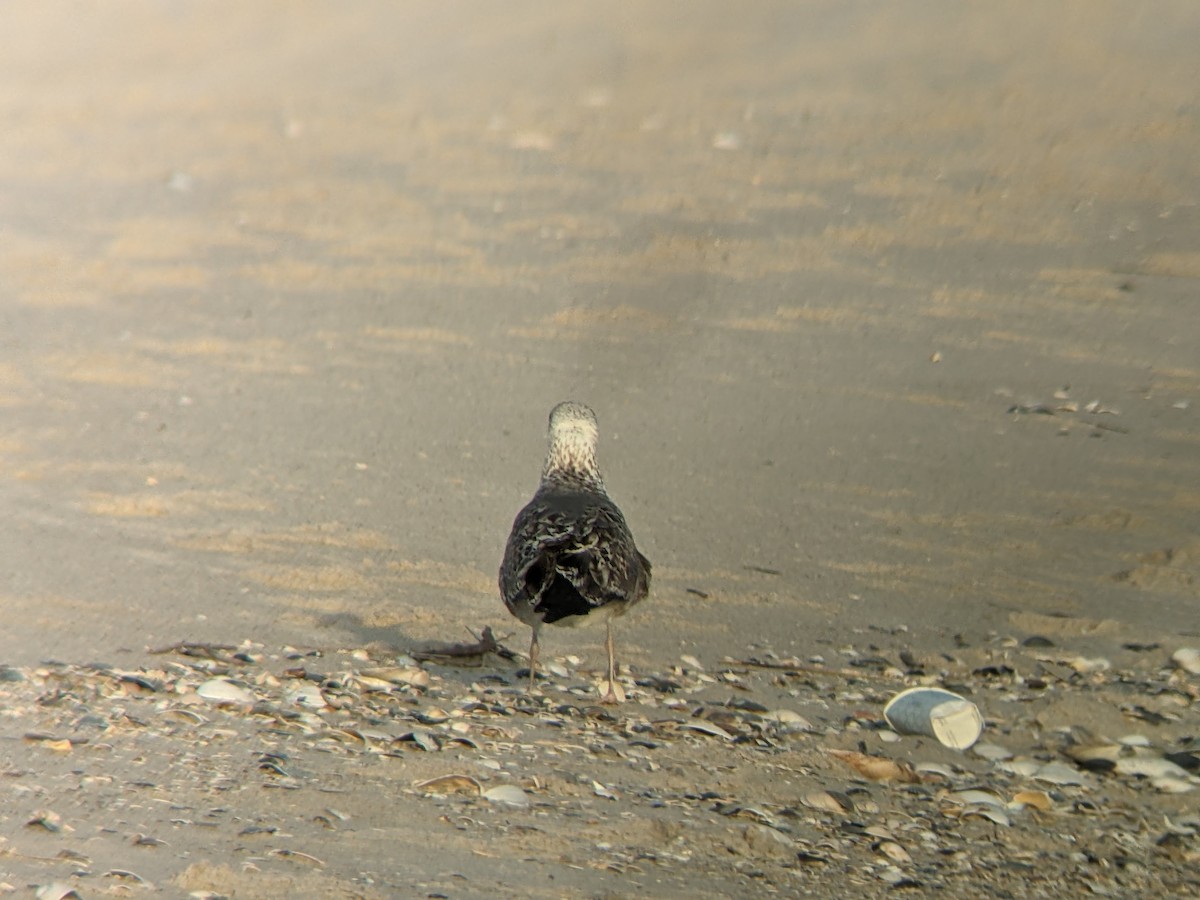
(889, 318)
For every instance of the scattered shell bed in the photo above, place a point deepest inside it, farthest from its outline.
(754, 772)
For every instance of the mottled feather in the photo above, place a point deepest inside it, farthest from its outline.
(570, 553)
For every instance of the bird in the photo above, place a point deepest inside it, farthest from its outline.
(570, 556)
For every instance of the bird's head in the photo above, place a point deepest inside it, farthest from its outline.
(573, 437)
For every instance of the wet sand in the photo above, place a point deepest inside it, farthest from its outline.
(887, 316)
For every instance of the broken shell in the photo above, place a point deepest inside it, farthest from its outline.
(451, 784)
(1149, 767)
(396, 675)
(827, 801)
(55, 890)
(1168, 785)
(1037, 799)
(507, 794)
(224, 692)
(934, 768)
(1095, 757)
(1134, 740)
(1059, 773)
(1188, 659)
(976, 797)
(993, 814)
(306, 695)
(955, 721)
(992, 752)
(435, 715)
(422, 739)
(708, 728)
(876, 768)
(1085, 666)
(893, 851)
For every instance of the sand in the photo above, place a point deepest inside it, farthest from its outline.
(886, 313)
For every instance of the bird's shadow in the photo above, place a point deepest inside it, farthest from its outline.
(474, 655)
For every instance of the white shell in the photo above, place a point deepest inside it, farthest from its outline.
(508, 794)
(222, 691)
(1188, 659)
(306, 695)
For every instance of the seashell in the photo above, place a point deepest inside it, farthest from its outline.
(1024, 767)
(992, 752)
(1037, 799)
(1183, 829)
(1170, 785)
(1185, 760)
(396, 675)
(1096, 757)
(1085, 666)
(450, 784)
(876, 768)
(893, 851)
(976, 797)
(934, 768)
(224, 692)
(986, 811)
(1149, 767)
(735, 811)
(1188, 659)
(55, 890)
(707, 728)
(508, 795)
(307, 694)
(828, 801)
(421, 738)
(1134, 740)
(1060, 774)
(435, 715)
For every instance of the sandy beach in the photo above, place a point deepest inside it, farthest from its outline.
(888, 317)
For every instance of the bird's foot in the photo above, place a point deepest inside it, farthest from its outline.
(614, 695)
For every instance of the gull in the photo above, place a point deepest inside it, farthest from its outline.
(570, 557)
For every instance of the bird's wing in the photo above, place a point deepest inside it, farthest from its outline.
(584, 539)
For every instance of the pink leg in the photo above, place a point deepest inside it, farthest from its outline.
(533, 660)
(610, 696)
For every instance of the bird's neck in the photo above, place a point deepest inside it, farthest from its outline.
(572, 462)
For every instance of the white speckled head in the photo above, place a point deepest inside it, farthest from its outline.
(572, 452)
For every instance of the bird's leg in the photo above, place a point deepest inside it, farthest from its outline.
(610, 696)
(533, 657)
